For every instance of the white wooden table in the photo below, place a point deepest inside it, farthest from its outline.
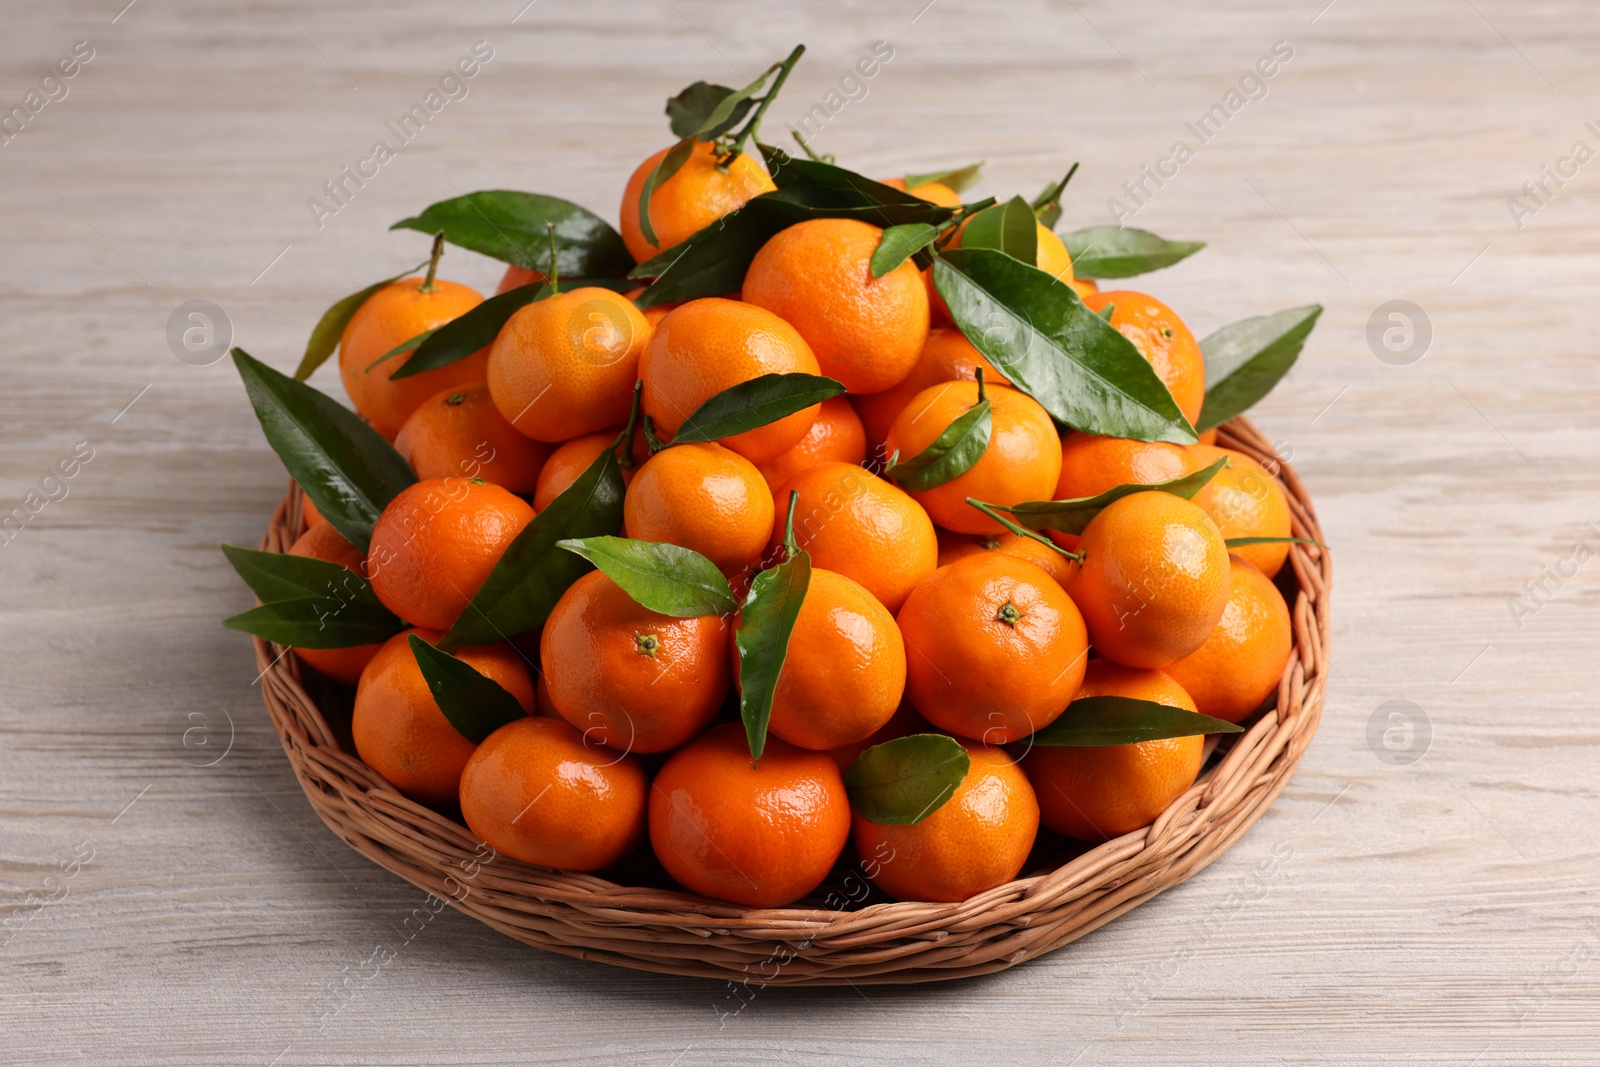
(178, 903)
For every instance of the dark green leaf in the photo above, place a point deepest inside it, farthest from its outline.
(1122, 251)
(1047, 205)
(280, 576)
(410, 344)
(317, 622)
(902, 782)
(792, 172)
(1245, 360)
(899, 243)
(1036, 332)
(345, 466)
(689, 110)
(1098, 721)
(512, 227)
(535, 571)
(326, 333)
(713, 262)
(958, 180)
(1071, 516)
(475, 705)
(754, 403)
(1243, 542)
(664, 578)
(659, 175)
(952, 454)
(761, 639)
(1009, 227)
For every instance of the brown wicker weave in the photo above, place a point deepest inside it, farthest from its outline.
(827, 939)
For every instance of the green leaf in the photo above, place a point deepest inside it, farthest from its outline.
(659, 175)
(952, 454)
(1243, 542)
(534, 571)
(1009, 227)
(1093, 722)
(761, 640)
(690, 110)
(1122, 251)
(1047, 205)
(899, 243)
(318, 622)
(410, 344)
(902, 782)
(664, 578)
(345, 466)
(754, 403)
(959, 180)
(280, 576)
(326, 333)
(1036, 332)
(475, 705)
(512, 227)
(1071, 516)
(713, 262)
(793, 173)
(1245, 360)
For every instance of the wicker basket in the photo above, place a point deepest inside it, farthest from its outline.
(845, 932)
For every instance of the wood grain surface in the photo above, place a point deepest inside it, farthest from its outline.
(169, 898)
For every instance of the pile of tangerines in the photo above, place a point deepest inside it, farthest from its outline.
(779, 569)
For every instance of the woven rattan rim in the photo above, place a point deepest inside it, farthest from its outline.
(1064, 895)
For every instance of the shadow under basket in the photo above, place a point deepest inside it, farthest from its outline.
(842, 933)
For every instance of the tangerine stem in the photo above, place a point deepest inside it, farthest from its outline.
(789, 545)
(983, 397)
(805, 147)
(656, 444)
(752, 129)
(625, 442)
(433, 262)
(1052, 197)
(555, 266)
(1021, 531)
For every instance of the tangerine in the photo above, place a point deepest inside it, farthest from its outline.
(536, 792)
(436, 542)
(630, 678)
(1095, 793)
(709, 345)
(946, 357)
(845, 670)
(994, 648)
(398, 728)
(758, 833)
(703, 190)
(835, 436)
(853, 522)
(976, 840)
(704, 497)
(1091, 464)
(1241, 662)
(1163, 340)
(1244, 500)
(865, 332)
(460, 432)
(1153, 581)
(389, 317)
(565, 366)
(1022, 461)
